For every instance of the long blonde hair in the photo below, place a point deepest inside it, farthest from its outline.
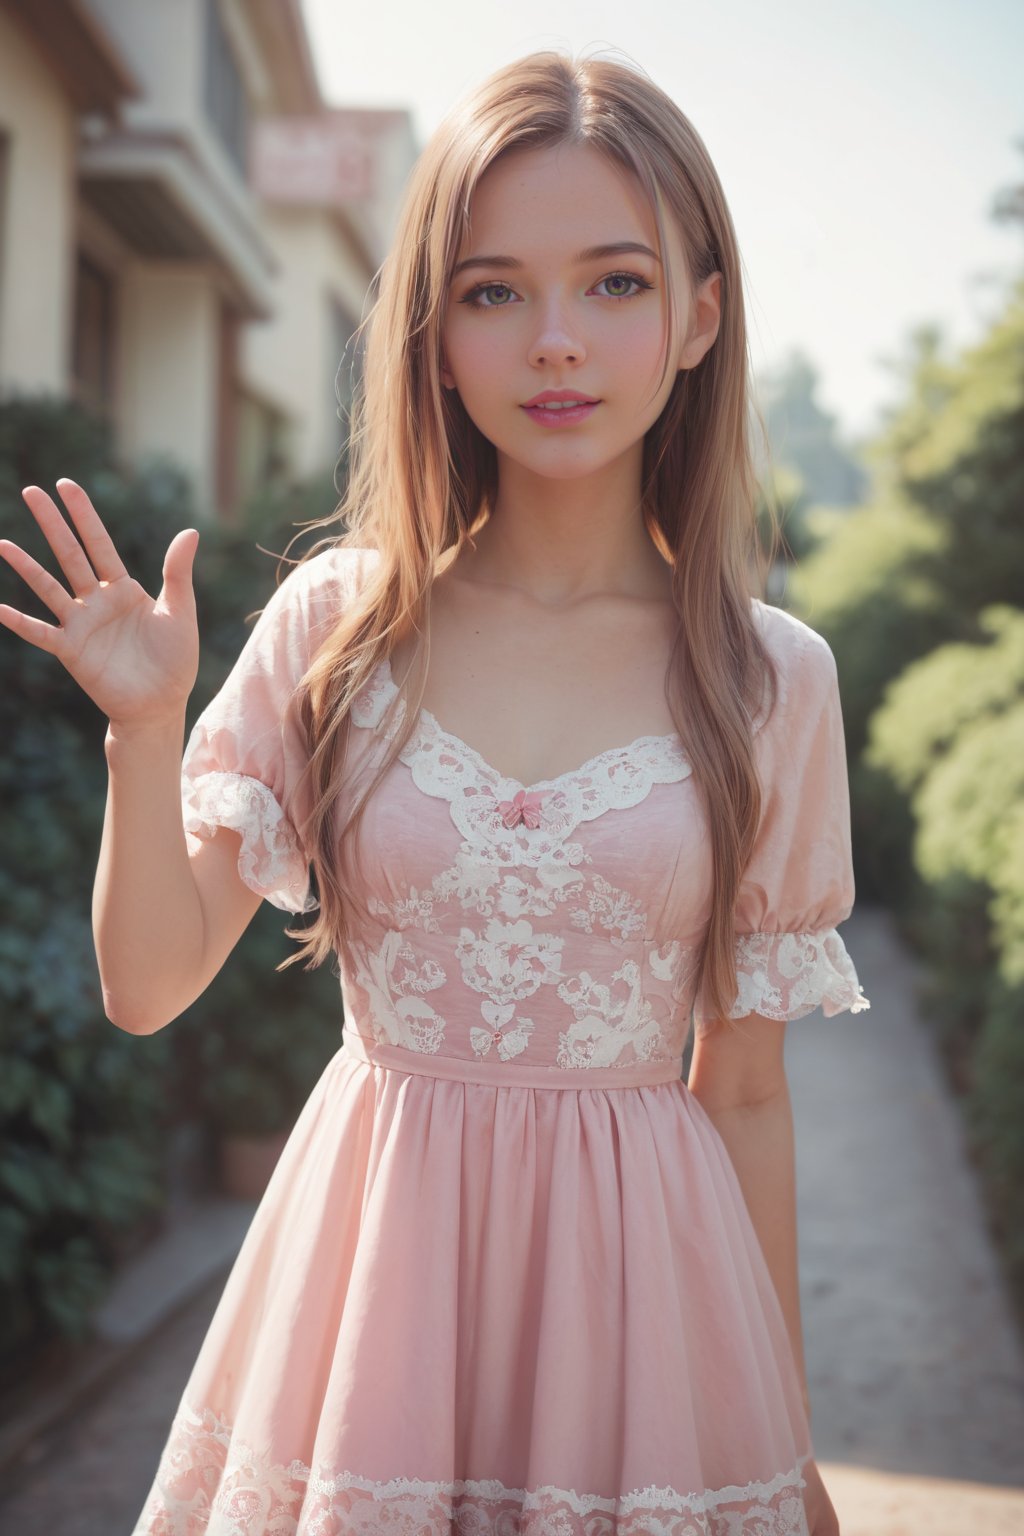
(422, 477)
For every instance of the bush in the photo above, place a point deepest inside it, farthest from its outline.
(859, 587)
(949, 925)
(85, 1109)
(951, 735)
(81, 1104)
(882, 829)
(1008, 902)
(929, 705)
(919, 594)
(262, 1037)
(996, 1126)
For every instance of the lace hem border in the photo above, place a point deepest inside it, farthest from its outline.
(239, 1483)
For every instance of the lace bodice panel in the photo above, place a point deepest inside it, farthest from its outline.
(523, 943)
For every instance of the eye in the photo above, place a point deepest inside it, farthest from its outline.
(621, 280)
(475, 295)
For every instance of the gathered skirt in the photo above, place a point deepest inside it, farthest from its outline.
(491, 1309)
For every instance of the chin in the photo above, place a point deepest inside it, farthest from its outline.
(557, 466)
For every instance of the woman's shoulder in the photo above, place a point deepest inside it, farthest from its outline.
(791, 641)
(319, 586)
(805, 665)
(308, 599)
(338, 571)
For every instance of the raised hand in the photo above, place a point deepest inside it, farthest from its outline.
(135, 656)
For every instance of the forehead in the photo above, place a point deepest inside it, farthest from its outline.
(562, 197)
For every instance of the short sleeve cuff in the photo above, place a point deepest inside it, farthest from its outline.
(270, 859)
(788, 975)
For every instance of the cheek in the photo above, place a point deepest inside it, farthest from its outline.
(640, 346)
(476, 355)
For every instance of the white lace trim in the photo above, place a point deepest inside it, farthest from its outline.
(270, 860)
(448, 768)
(209, 1482)
(787, 975)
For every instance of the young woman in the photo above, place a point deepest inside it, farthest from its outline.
(566, 783)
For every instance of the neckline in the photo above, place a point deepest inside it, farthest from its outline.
(505, 779)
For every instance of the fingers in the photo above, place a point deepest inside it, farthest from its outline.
(46, 636)
(36, 576)
(99, 545)
(70, 554)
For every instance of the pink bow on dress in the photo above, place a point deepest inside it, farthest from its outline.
(522, 807)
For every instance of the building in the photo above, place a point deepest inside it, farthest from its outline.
(187, 232)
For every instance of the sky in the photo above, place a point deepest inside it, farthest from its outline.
(860, 147)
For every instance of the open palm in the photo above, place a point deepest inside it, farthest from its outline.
(135, 656)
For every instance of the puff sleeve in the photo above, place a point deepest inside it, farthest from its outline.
(247, 751)
(798, 884)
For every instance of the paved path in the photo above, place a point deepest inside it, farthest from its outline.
(91, 1477)
(914, 1366)
(916, 1375)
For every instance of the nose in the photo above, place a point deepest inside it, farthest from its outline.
(555, 339)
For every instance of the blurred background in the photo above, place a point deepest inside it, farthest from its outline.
(195, 196)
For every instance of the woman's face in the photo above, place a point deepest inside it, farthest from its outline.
(560, 290)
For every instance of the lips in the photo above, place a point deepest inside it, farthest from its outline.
(560, 408)
(559, 399)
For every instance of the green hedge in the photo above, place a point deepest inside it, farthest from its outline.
(950, 734)
(919, 593)
(86, 1111)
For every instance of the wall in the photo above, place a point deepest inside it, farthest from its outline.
(291, 362)
(36, 262)
(168, 360)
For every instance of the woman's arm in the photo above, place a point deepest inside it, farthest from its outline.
(739, 1077)
(163, 923)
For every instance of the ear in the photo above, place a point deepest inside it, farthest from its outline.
(706, 317)
(447, 377)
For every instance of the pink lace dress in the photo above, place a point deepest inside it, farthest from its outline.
(503, 1279)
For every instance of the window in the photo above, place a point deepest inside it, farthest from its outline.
(92, 362)
(264, 446)
(224, 91)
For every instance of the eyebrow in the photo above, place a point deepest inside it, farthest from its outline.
(592, 253)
